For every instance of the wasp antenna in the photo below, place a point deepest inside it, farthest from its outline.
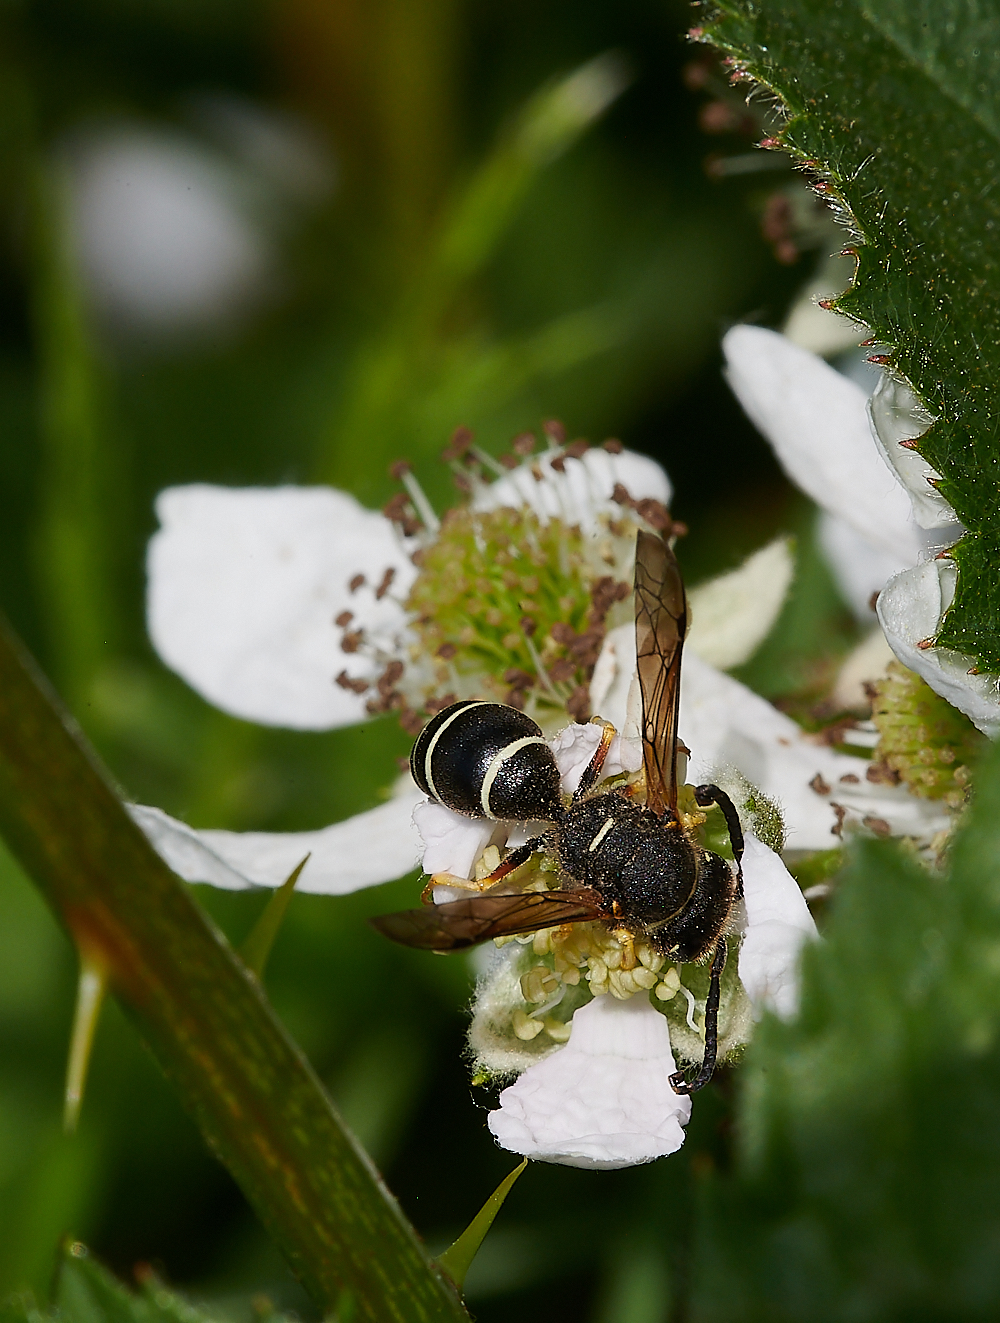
(707, 795)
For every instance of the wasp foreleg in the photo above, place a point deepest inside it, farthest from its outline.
(515, 859)
(677, 1081)
(593, 770)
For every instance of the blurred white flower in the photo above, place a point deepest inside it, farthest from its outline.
(883, 518)
(163, 240)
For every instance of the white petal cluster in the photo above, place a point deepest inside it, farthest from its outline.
(245, 587)
(884, 519)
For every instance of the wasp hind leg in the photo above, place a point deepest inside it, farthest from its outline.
(678, 1082)
(707, 795)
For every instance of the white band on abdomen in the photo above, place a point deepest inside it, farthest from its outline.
(497, 763)
(428, 776)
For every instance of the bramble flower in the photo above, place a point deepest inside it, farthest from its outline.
(884, 522)
(298, 607)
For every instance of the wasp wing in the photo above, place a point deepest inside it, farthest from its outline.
(660, 626)
(460, 923)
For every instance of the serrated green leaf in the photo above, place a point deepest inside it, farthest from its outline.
(895, 105)
(867, 1176)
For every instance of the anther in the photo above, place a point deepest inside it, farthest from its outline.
(385, 583)
(461, 440)
(356, 686)
(578, 703)
(344, 619)
(555, 431)
(523, 444)
(613, 446)
(356, 583)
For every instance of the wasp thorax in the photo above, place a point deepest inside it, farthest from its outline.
(487, 760)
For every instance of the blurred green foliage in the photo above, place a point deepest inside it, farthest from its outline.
(866, 1164)
(443, 280)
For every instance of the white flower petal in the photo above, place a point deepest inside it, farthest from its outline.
(727, 725)
(896, 415)
(576, 744)
(363, 851)
(602, 1101)
(452, 842)
(613, 674)
(817, 422)
(244, 587)
(732, 614)
(573, 749)
(859, 567)
(778, 922)
(910, 609)
(164, 237)
(581, 491)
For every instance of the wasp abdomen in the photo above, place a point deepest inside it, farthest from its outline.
(487, 760)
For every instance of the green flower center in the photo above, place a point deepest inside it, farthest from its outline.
(923, 741)
(509, 607)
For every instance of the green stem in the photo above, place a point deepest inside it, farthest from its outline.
(204, 1016)
(74, 536)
